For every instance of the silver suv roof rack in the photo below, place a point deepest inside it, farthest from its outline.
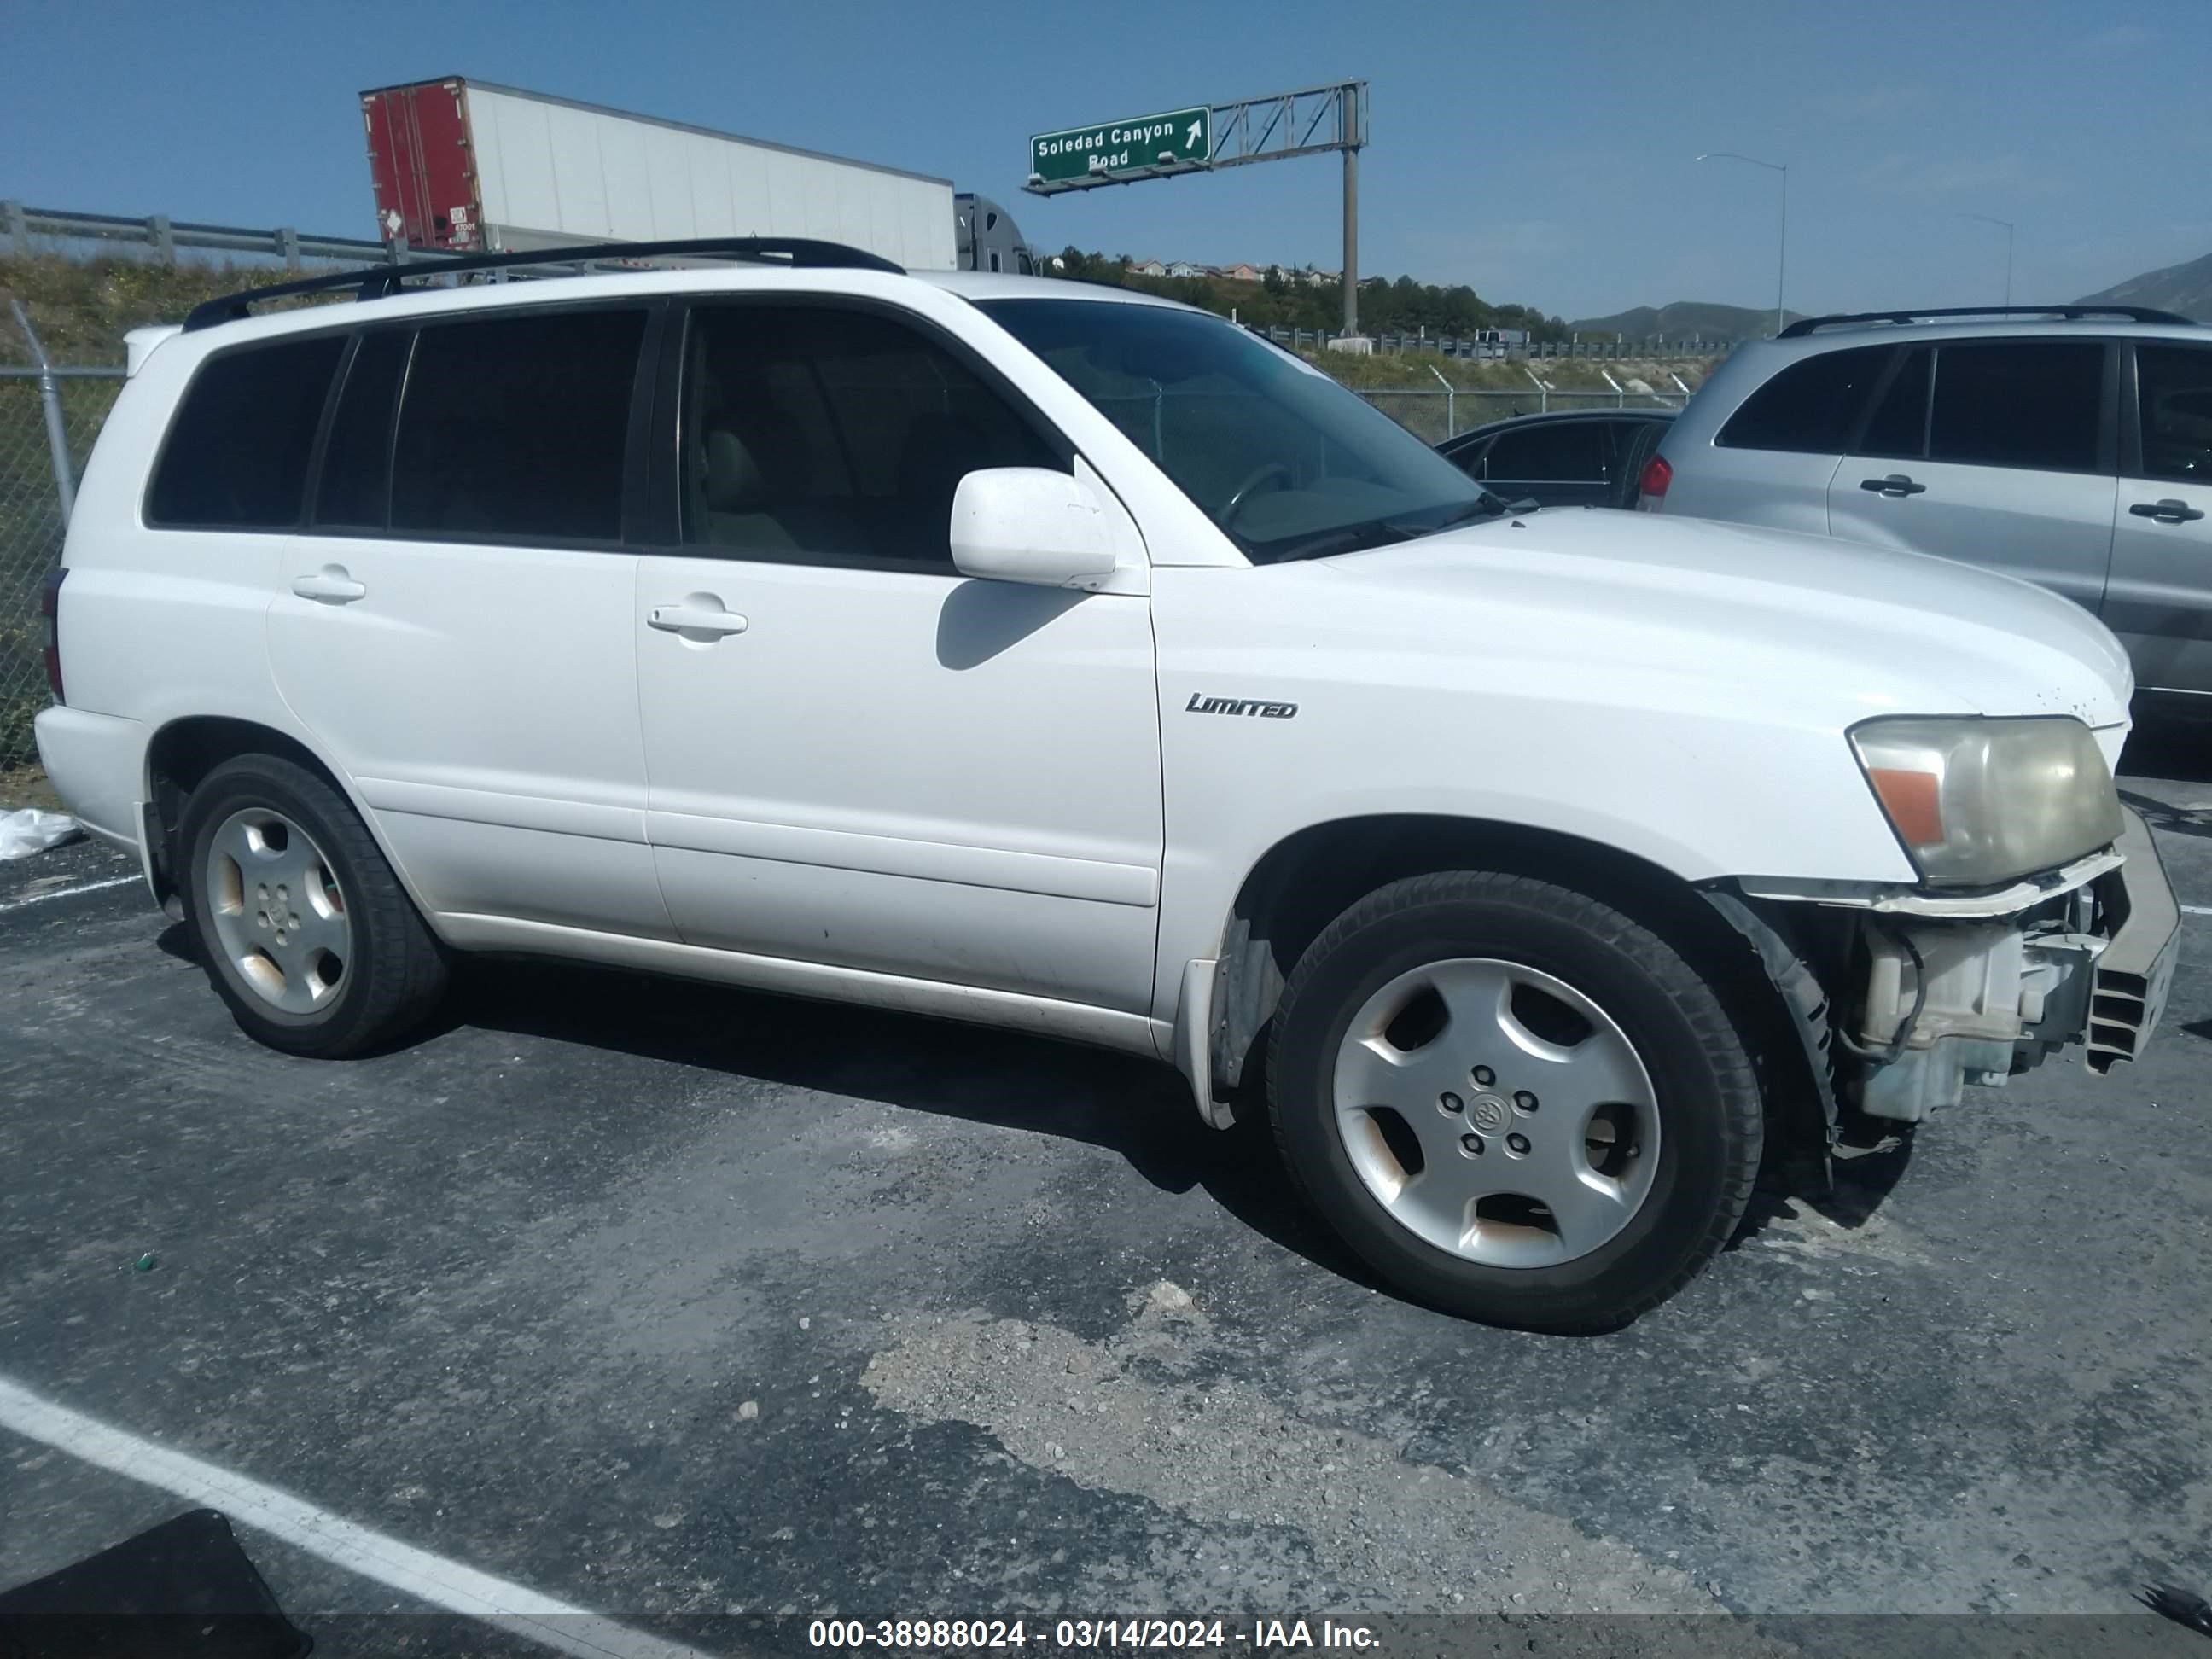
(382, 281)
(1805, 326)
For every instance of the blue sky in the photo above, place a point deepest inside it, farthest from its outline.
(1541, 152)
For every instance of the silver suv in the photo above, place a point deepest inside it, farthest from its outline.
(2070, 445)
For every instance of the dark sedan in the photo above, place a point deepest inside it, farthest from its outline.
(1567, 458)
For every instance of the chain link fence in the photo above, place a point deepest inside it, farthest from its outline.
(31, 523)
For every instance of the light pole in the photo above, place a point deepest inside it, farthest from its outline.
(2007, 225)
(1782, 252)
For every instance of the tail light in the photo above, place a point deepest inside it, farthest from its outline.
(1651, 488)
(50, 613)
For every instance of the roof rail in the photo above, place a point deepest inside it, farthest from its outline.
(382, 281)
(1805, 326)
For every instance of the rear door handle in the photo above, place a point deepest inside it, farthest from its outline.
(694, 619)
(331, 585)
(1895, 484)
(2168, 511)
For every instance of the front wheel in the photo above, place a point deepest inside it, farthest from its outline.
(304, 930)
(1513, 1101)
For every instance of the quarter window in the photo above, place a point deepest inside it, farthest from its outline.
(832, 431)
(1810, 406)
(2029, 404)
(512, 428)
(237, 456)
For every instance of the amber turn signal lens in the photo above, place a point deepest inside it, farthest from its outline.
(1913, 801)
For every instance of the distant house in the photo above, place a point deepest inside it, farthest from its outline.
(1324, 278)
(1184, 268)
(1149, 268)
(1242, 273)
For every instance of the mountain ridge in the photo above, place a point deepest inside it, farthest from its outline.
(2184, 289)
(1685, 319)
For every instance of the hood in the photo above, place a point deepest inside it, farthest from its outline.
(1863, 630)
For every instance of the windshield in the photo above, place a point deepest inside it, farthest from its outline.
(1284, 459)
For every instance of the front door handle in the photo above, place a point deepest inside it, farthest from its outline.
(2168, 511)
(693, 618)
(331, 585)
(1895, 484)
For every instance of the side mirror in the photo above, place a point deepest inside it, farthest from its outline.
(1029, 524)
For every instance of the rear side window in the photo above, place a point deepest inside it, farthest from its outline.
(357, 458)
(2174, 384)
(513, 427)
(237, 453)
(2031, 403)
(1560, 451)
(1811, 406)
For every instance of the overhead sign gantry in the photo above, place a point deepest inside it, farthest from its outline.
(1203, 139)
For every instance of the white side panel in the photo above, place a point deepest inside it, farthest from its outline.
(549, 173)
(668, 182)
(625, 162)
(527, 193)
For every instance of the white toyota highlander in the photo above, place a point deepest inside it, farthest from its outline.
(1045, 655)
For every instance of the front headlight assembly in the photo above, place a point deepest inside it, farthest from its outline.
(1981, 802)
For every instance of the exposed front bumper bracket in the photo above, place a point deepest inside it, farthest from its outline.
(2135, 972)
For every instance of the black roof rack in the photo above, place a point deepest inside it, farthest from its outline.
(1805, 326)
(382, 281)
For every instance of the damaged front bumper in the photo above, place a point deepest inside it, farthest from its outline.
(1902, 998)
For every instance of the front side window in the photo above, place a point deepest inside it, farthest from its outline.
(1809, 407)
(1561, 452)
(237, 455)
(512, 428)
(2030, 403)
(831, 431)
(2174, 394)
(1287, 462)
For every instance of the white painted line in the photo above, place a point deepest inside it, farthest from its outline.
(69, 892)
(427, 1578)
(2198, 910)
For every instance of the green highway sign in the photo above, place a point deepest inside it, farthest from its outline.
(1111, 151)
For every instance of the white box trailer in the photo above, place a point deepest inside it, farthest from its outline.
(465, 167)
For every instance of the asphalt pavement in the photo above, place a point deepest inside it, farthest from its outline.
(665, 1301)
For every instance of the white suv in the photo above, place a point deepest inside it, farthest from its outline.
(1049, 656)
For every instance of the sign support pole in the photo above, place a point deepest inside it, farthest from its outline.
(1350, 240)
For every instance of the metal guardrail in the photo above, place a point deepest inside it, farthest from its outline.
(165, 236)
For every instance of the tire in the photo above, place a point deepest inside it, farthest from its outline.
(1478, 995)
(298, 918)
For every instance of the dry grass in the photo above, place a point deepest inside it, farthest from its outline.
(27, 786)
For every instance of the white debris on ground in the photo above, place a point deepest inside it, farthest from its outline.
(27, 830)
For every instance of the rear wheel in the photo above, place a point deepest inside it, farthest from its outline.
(1514, 1101)
(302, 924)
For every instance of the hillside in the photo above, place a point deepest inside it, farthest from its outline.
(1684, 320)
(2185, 289)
